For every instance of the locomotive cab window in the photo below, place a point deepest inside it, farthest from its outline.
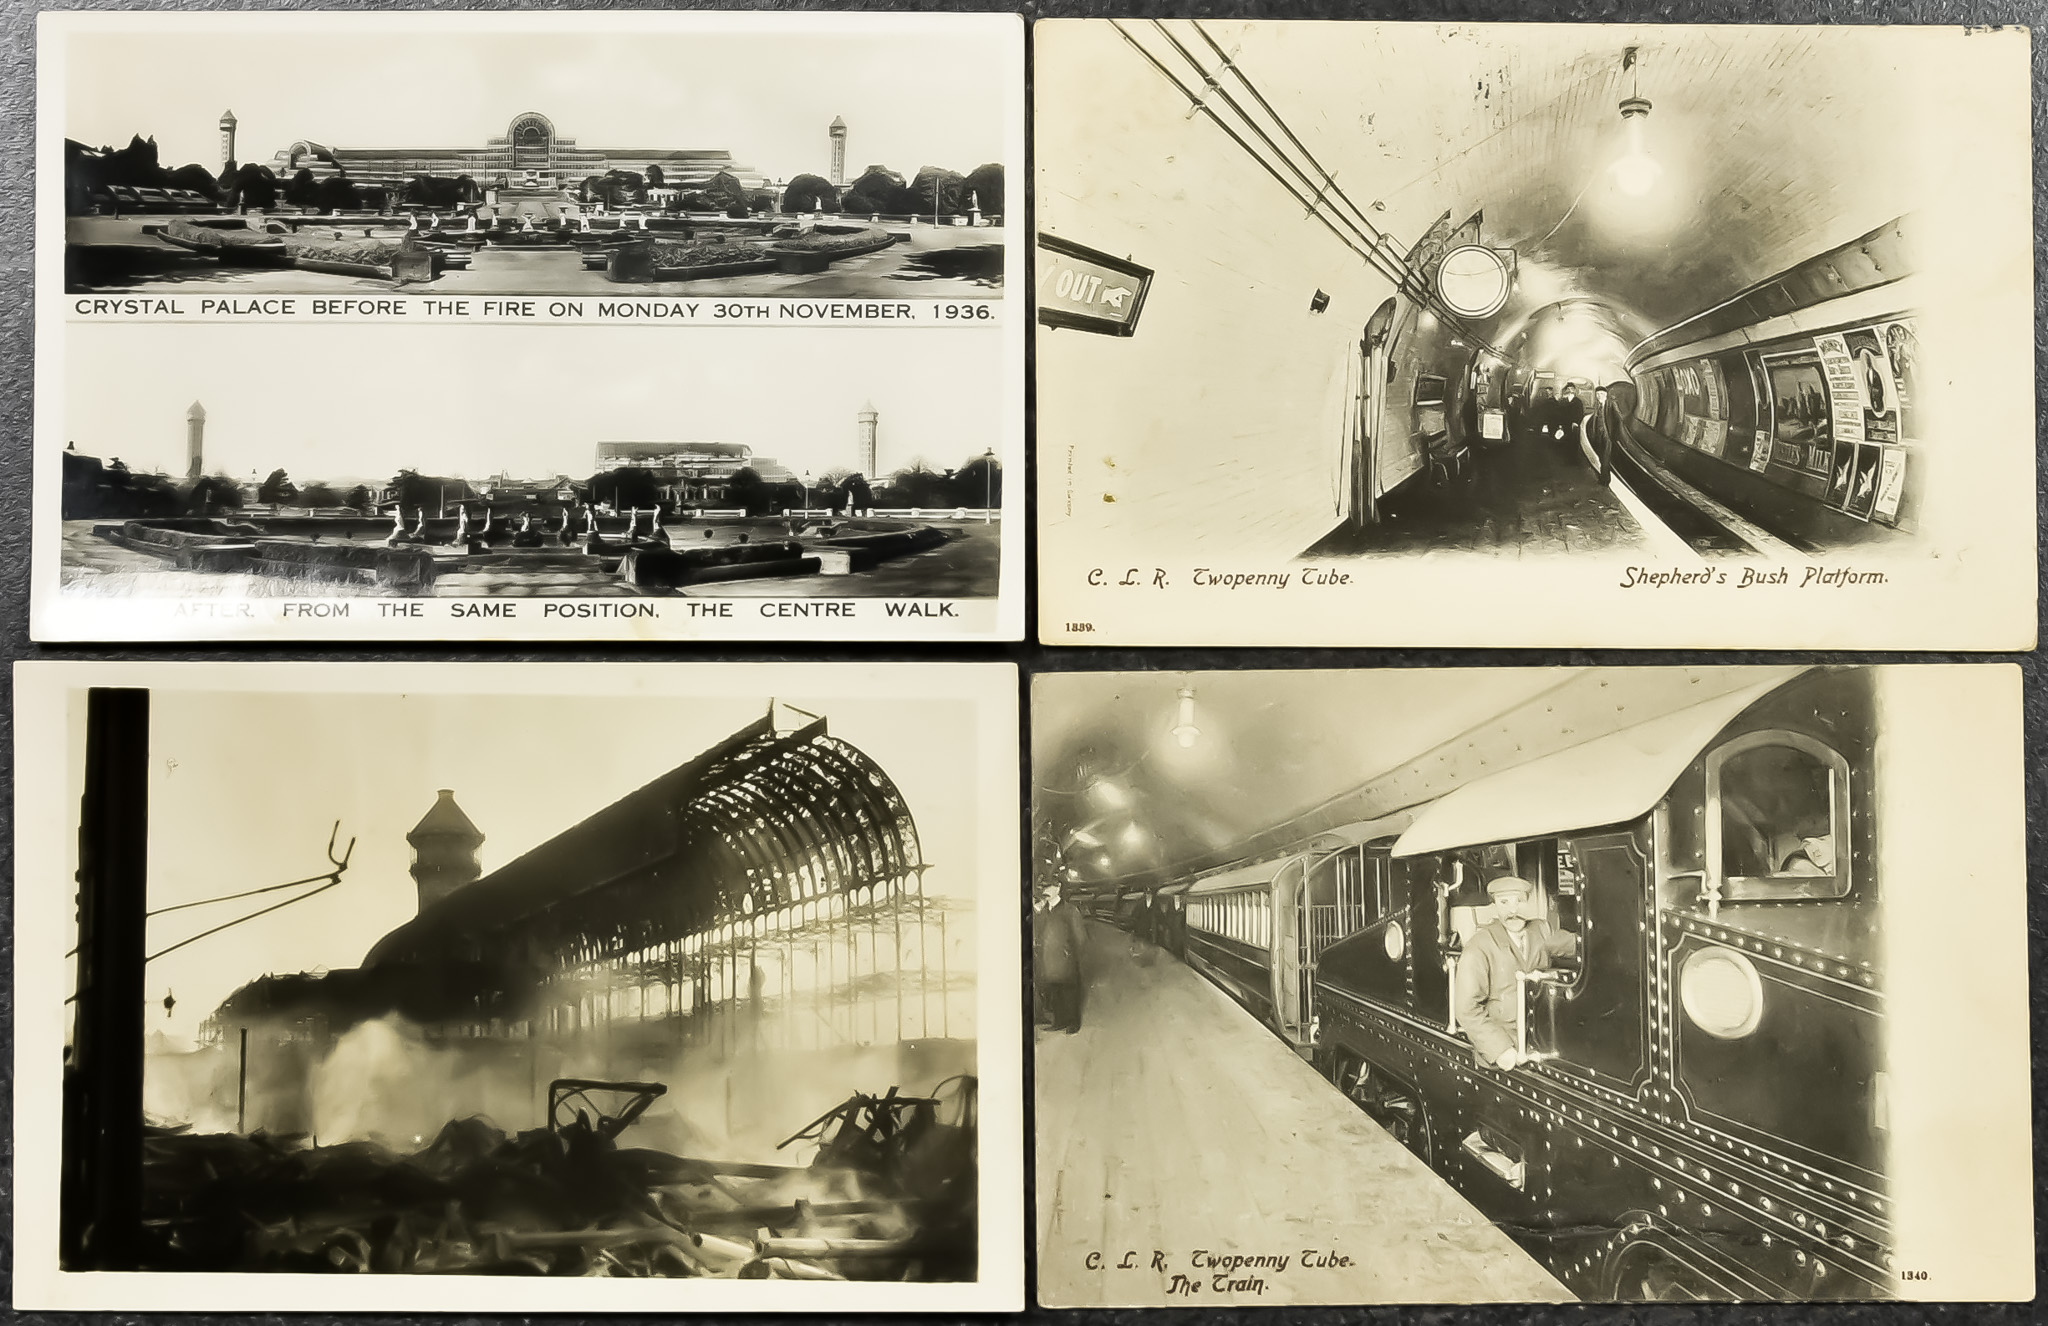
(1777, 819)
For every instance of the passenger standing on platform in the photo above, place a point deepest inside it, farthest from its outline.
(1487, 995)
(1571, 412)
(1600, 428)
(1059, 960)
(1543, 413)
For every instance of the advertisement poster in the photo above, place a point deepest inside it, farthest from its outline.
(1877, 385)
(1891, 484)
(1710, 378)
(1844, 393)
(1799, 412)
(1760, 458)
(1863, 485)
(1902, 346)
(1841, 475)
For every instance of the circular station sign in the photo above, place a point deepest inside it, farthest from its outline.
(1473, 281)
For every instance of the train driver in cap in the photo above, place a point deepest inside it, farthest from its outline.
(1487, 991)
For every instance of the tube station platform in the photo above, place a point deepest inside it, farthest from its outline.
(1187, 1157)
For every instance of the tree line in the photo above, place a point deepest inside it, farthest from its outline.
(100, 489)
(933, 191)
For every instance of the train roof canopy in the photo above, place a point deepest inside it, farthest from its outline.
(1606, 780)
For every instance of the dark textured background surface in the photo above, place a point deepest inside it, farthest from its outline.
(17, 129)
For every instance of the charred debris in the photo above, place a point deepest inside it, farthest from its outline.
(890, 1195)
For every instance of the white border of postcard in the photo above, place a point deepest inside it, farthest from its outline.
(755, 612)
(1189, 461)
(45, 816)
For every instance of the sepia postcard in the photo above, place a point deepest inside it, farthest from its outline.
(566, 325)
(462, 987)
(1535, 984)
(1538, 335)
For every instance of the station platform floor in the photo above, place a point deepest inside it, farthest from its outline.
(1175, 1132)
(1530, 498)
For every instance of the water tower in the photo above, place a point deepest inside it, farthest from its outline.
(227, 139)
(195, 440)
(868, 419)
(838, 132)
(444, 850)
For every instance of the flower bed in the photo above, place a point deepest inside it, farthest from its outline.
(864, 240)
(218, 237)
(359, 252)
(705, 253)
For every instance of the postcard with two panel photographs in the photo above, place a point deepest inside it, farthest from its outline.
(1446, 985)
(517, 987)
(1563, 336)
(529, 326)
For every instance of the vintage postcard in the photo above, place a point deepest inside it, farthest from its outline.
(461, 987)
(463, 326)
(1531, 984)
(1533, 335)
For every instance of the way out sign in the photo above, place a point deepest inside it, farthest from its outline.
(1086, 290)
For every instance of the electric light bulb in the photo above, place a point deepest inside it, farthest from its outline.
(1636, 174)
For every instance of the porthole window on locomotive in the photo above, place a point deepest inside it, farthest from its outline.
(1781, 803)
(1721, 992)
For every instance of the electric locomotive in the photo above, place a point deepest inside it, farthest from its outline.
(1702, 1112)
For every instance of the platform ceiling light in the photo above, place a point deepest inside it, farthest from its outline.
(1637, 172)
(1184, 729)
(1108, 794)
(1134, 836)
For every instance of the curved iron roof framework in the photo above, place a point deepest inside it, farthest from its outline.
(766, 830)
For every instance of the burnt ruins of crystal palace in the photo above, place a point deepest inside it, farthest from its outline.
(762, 904)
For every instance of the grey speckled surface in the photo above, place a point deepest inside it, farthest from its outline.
(17, 126)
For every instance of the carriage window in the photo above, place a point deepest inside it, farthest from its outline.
(1778, 819)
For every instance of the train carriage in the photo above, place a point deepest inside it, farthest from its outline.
(1254, 928)
(1704, 1113)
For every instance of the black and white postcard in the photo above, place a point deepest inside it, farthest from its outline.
(1632, 336)
(466, 988)
(1530, 984)
(529, 325)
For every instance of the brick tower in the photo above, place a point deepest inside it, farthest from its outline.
(444, 850)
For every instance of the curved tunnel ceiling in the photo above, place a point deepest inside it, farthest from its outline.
(1769, 146)
(1280, 756)
(1118, 795)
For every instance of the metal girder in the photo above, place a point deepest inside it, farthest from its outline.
(769, 822)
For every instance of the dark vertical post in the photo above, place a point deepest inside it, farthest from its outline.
(100, 1207)
(242, 1087)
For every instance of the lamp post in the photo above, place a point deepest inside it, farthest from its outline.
(807, 492)
(988, 485)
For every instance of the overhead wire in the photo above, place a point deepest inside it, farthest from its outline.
(229, 925)
(246, 893)
(1318, 192)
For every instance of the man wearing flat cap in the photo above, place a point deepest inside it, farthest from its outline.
(1487, 990)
